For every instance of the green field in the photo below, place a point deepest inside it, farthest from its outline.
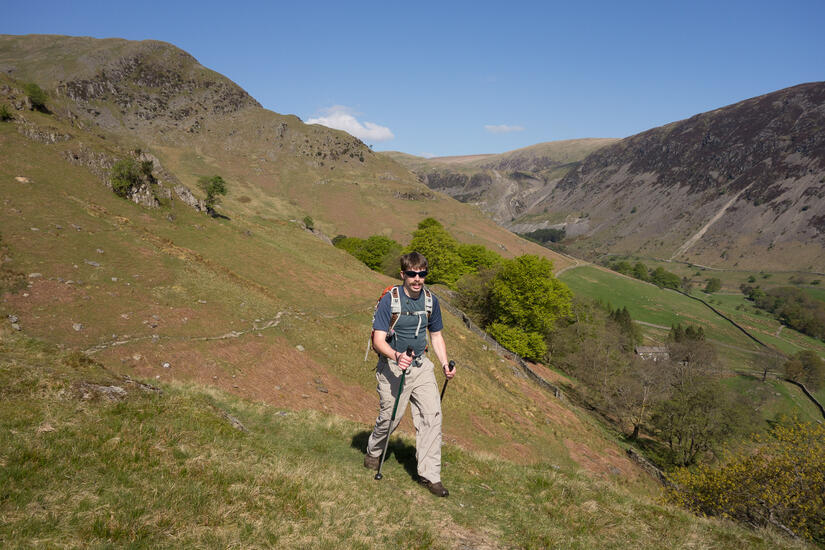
(650, 304)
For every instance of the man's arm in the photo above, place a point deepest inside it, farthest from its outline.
(379, 342)
(440, 349)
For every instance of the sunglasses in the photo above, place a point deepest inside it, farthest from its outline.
(412, 274)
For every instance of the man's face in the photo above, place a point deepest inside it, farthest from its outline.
(414, 279)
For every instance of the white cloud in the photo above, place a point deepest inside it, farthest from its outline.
(343, 118)
(502, 128)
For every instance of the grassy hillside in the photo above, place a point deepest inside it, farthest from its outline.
(152, 96)
(254, 305)
(179, 465)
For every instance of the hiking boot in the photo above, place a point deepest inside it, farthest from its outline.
(435, 488)
(372, 462)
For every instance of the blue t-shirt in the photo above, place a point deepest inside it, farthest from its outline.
(407, 325)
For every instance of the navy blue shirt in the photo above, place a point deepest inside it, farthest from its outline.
(407, 325)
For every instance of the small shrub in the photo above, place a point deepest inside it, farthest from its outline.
(36, 95)
(309, 223)
(5, 113)
(126, 175)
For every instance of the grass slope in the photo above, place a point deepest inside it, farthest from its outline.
(254, 305)
(169, 470)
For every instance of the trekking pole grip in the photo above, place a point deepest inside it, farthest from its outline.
(451, 364)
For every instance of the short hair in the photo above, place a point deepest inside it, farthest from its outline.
(413, 260)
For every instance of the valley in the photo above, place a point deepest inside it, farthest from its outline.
(247, 315)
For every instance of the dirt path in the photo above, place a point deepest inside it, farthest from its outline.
(256, 327)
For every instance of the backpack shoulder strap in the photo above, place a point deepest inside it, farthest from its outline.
(428, 302)
(395, 306)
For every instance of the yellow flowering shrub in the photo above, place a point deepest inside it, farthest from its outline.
(781, 483)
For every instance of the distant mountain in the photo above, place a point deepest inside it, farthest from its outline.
(741, 186)
(505, 185)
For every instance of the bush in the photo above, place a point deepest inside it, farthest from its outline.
(713, 285)
(379, 253)
(529, 345)
(5, 113)
(36, 95)
(309, 223)
(780, 485)
(126, 175)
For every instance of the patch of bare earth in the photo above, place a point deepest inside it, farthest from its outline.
(256, 370)
(607, 462)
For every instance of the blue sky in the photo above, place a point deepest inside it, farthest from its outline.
(455, 78)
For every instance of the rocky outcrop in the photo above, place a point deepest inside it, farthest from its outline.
(41, 134)
(153, 83)
(189, 199)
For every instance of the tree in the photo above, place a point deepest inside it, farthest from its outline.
(696, 419)
(214, 187)
(622, 318)
(441, 251)
(36, 96)
(807, 368)
(376, 250)
(640, 271)
(126, 176)
(665, 279)
(476, 256)
(623, 267)
(713, 285)
(525, 295)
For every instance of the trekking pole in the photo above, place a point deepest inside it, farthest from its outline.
(378, 475)
(452, 367)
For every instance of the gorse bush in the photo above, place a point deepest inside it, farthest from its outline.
(781, 484)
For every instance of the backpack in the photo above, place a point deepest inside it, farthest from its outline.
(395, 307)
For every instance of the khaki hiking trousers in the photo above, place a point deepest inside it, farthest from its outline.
(421, 390)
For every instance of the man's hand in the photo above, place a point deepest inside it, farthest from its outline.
(404, 361)
(449, 372)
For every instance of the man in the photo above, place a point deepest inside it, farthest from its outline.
(409, 329)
